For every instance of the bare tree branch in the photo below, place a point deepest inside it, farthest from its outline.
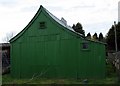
(8, 36)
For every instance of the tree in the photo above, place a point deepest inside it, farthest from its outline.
(8, 36)
(74, 26)
(88, 36)
(110, 38)
(101, 37)
(78, 28)
(95, 37)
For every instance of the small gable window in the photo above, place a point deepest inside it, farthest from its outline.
(85, 46)
(42, 25)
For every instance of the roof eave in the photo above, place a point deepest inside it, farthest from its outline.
(32, 20)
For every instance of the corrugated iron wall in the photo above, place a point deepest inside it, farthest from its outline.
(58, 59)
(55, 52)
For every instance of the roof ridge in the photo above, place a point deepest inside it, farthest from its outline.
(60, 22)
(52, 15)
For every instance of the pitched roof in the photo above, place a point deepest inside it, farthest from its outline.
(52, 16)
(60, 22)
(69, 27)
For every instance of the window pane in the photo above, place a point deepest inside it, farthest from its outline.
(42, 25)
(85, 45)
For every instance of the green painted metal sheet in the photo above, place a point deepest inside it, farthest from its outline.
(54, 52)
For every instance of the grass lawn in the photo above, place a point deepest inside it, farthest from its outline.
(111, 78)
(7, 79)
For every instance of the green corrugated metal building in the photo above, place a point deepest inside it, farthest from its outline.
(48, 47)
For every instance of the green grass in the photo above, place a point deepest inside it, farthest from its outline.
(111, 78)
(7, 79)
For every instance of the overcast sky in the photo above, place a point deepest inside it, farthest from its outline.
(94, 15)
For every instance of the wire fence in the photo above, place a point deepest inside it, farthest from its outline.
(114, 58)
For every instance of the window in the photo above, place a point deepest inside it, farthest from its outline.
(85, 45)
(42, 25)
